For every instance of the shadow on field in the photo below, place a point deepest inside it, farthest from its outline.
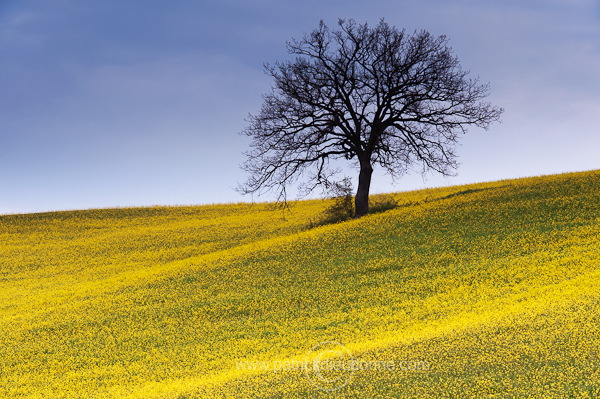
(342, 209)
(465, 192)
(445, 197)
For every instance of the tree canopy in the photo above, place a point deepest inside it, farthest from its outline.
(378, 97)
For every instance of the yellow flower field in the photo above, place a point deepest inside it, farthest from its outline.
(490, 290)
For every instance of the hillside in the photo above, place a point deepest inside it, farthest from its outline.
(486, 290)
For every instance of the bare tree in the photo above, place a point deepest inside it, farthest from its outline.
(377, 96)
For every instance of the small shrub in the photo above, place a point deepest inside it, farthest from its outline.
(342, 208)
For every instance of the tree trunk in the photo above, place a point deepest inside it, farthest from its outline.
(361, 202)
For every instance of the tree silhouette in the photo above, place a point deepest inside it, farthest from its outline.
(375, 96)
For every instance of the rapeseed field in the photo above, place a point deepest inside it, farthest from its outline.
(488, 290)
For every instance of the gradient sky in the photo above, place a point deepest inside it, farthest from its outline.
(140, 102)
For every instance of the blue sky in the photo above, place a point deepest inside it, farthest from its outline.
(140, 102)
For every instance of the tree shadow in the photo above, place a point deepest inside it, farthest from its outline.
(465, 192)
